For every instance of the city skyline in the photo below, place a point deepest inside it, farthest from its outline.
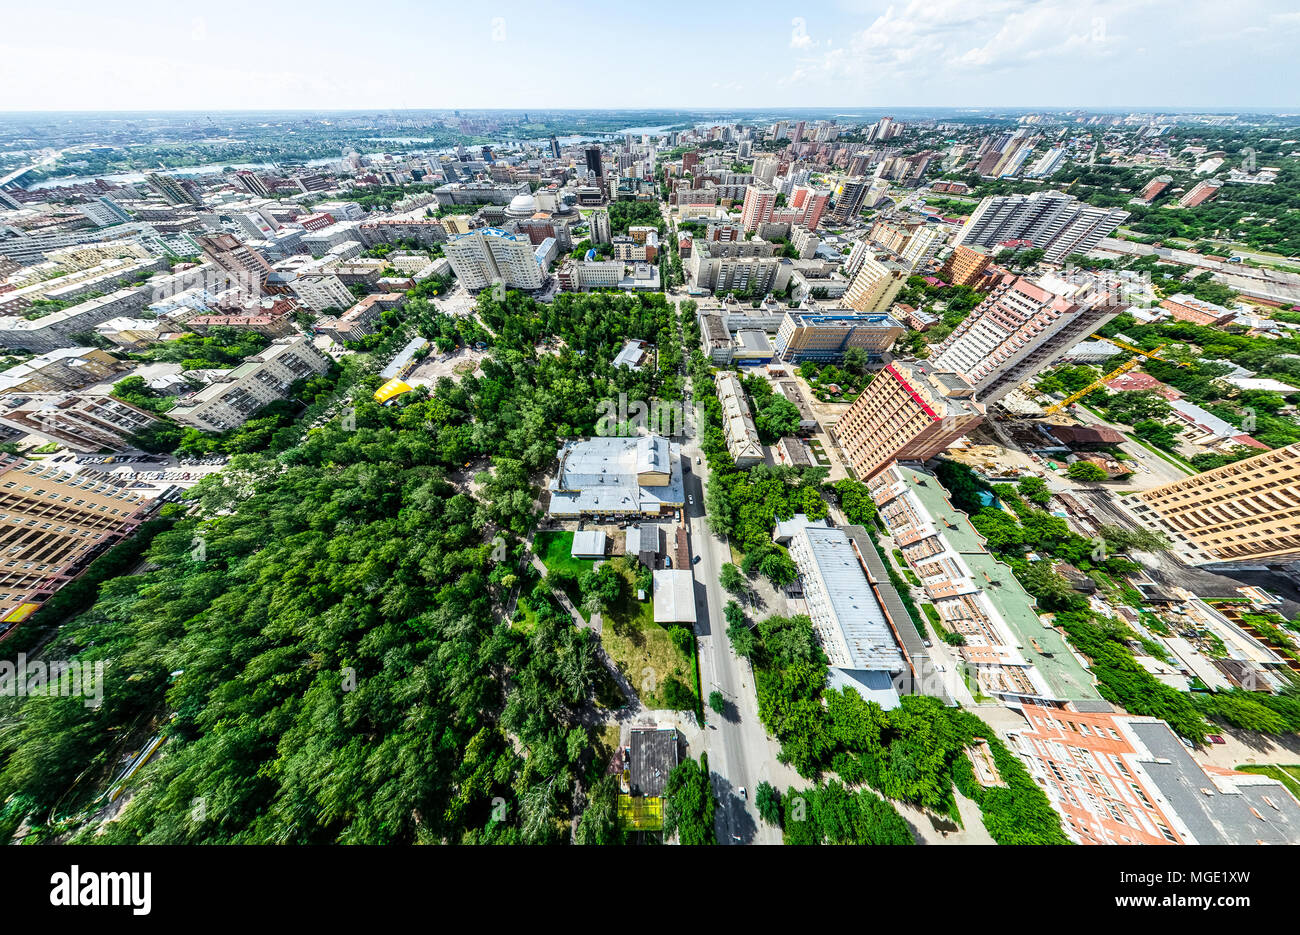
(1004, 53)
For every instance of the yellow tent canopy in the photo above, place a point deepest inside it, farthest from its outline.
(390, 390)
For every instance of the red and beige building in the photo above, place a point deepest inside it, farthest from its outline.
(52, 524)
(1120, 779)
(909, 412)
(1021, 328)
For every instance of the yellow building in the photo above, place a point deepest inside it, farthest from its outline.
(874, 287)
(1243, 512)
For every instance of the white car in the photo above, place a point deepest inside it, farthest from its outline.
(690, 500)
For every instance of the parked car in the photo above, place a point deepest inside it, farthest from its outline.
(1217, 738)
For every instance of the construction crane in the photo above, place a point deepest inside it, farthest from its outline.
(1095, 384)
(1101, 381)
(1153, 355)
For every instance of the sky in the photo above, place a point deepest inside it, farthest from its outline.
(337, 54)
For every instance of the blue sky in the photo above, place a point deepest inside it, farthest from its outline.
(400, 54)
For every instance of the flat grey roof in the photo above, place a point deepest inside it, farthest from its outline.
(602, 475)
(674, 594)
(863, 627)
(588, 542)
(1213, 816)
(654, 754)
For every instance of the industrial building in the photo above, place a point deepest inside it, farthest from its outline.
(638, 475)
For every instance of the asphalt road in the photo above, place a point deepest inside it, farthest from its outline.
(740, 753)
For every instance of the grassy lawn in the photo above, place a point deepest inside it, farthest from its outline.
(1289, 776)
(642, 648)
(554, 548)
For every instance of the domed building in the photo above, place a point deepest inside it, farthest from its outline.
(521, 207)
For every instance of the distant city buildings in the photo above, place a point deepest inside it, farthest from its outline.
(804, 208)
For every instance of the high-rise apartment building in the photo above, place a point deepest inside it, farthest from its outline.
(593, 160)
(1048, 163)
(242, 263)
(921, 247)
(757, 209)
(964, 266)
(489, 255)
(874, 286)
(598, 222)
(909, 412)
(765, 168)
(52, 524)
(1247, 512)
(176, 191)
(1021, 328)
(849, 199)
(236, 394)
(1057, 223)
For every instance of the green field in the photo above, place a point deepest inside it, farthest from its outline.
(642, 648)
(555, 549)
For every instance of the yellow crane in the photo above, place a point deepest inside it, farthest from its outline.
(1075, 397)
(1101, 381)
(1153, 355)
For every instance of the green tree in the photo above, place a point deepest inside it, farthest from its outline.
(1085, 471)
(731, 579)
(689, 805)
(768, 802)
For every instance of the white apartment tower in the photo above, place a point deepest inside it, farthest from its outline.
(483, 257)
(1021, 328)
(1057, 223)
